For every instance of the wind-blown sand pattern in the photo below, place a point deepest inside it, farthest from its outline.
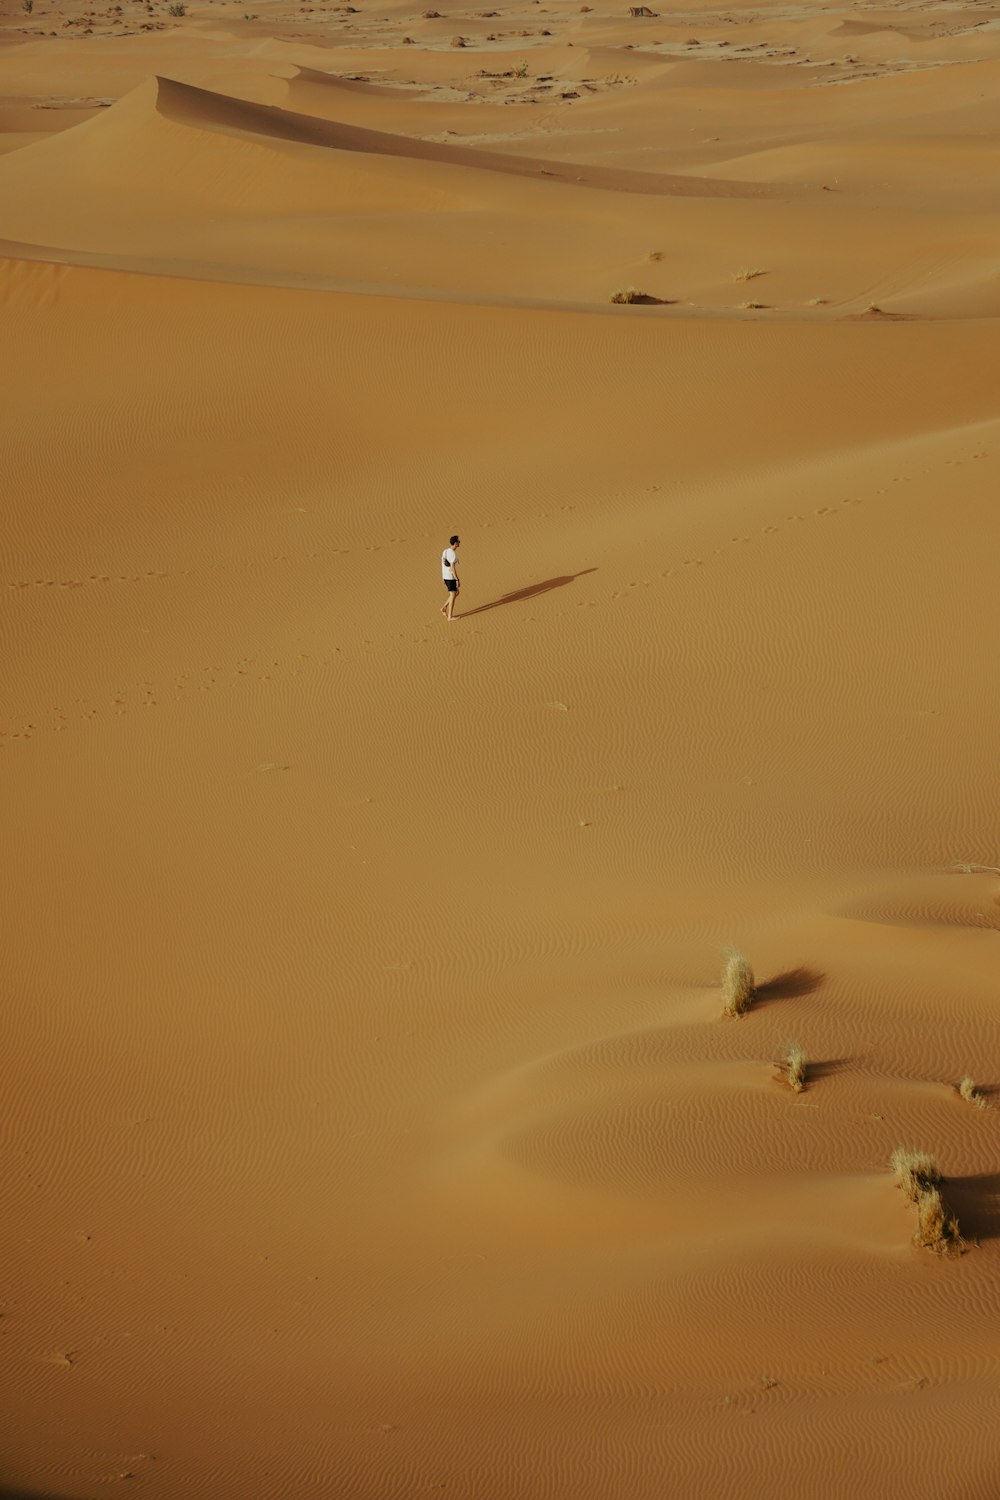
(371, 1127)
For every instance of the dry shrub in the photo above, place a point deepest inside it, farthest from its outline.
(749, 275)
(737, 985)
(971, 1094)
(919, 1177)
(627, 294)
(753, 306)
(935, 1231)
(796, 1065)
(458, 41)
(915, 1172)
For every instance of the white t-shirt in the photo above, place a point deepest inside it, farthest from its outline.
(449, 557)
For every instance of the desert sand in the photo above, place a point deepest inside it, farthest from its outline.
(370, 1125)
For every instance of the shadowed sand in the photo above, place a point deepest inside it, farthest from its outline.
(531, 591)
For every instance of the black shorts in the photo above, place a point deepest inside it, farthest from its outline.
(451, 584)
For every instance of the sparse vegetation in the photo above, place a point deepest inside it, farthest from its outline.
(796, 1065)
(737, 985)
(915, 1172)
(935, 1230)
(920, 1177)
(753, 306)
(458, 41)
(750, 274)
(971, 1094)
(27, 6)
(521, 71)
(930, 1218)
(656, 255)
(627, 294)
(176, 8)
(817, 302)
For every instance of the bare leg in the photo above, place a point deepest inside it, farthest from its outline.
(448, 607)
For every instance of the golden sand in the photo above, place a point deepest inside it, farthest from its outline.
(371, 1126)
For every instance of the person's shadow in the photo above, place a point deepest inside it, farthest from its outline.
(517, 596)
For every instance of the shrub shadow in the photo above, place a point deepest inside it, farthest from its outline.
(789, 985)
(975, 1202)
(828, 1068)
(16, 1492)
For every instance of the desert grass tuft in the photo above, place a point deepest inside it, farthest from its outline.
(971, 1094)
(935, 1230)
(752, 306)
(750, 274)
(920, 1178)
(796, 1068)
(915, 1172)
(627, 294)
(737, 985)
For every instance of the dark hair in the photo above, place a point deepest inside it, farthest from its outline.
(454, 539)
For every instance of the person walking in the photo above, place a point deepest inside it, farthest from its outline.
(449, 572)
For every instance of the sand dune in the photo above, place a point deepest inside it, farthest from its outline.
(371, 1124)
